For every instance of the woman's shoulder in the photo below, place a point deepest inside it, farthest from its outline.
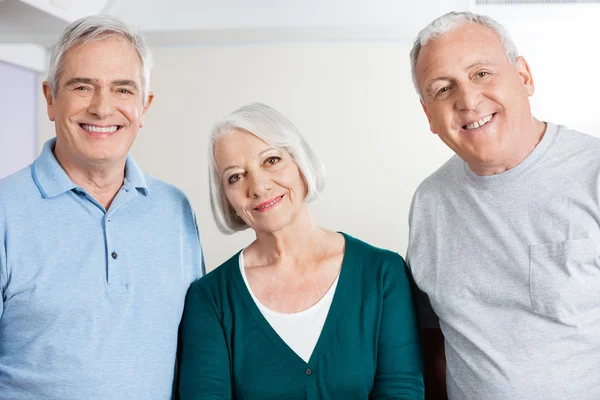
(219, 278)
(360, 249)
(377, 269)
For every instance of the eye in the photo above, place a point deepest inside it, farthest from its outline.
(82, 88)
(272, 160)
(442, 91)
(124, 91)
(234, 178)
(482, 74)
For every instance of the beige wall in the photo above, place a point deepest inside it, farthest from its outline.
(355, 104)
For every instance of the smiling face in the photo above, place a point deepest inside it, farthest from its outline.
(262, 183)
(476, 101)
(98, 108)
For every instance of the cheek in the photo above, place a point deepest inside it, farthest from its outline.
(132, 111)
(441, 120)
(70, 107)
(300, 184)
(233, 197)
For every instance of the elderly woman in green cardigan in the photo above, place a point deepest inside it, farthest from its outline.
(302, 312)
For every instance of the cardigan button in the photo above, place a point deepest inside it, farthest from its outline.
(308, 371)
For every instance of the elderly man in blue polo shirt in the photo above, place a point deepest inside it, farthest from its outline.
(95, 256)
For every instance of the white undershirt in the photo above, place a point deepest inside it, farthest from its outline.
(301, 330)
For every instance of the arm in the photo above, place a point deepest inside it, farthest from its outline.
(432, 341)
(204, 370)
(434, 364)
(399, 362)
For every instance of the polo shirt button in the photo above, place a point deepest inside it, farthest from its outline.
(114, 255)
(308, 371)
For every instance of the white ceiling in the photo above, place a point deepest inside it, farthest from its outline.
(219, 14)
(193, 22)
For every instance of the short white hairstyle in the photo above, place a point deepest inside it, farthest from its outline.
(453, 20)
(274, 129)
(98, 27)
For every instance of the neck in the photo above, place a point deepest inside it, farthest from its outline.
(531, 137)
(102, 181)
(290, 246)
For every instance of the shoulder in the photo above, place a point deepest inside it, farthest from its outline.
(172, 202)
(219, 281)
(567, 134)
(379, 271)
(573, 153)
(159, 187)
(364, 250)
(372, 261)
(16, 183)
(18, 189)
(442, 177)
(576, 142)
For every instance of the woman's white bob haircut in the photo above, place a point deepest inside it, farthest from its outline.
(274, 129)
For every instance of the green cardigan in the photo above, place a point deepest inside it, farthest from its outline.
(368, 348)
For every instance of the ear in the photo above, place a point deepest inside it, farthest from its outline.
(146, 107)
(47, 90)
(428, 116)
(525, 75)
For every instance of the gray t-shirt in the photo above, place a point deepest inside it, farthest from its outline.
(510, 266)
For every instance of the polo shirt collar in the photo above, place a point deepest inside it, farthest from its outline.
(134, 176)
(52, 180)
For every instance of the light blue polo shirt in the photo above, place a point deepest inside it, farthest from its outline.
(92, 299)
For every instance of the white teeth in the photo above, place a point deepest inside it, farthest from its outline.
(270, 204)
(479, 123)
(106, 129)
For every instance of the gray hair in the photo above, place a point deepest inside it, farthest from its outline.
(450, 21)
(275, 129)
(98, 27)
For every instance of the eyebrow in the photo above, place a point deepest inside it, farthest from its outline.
(228, 168)
(261, 154)
(481, 64)
(76, 80)
(90, 81)
(125, 82)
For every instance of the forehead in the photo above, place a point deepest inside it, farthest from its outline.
(237, 146)
(463, 46)
(105, 59)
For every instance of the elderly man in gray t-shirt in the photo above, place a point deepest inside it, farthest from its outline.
(505, 236)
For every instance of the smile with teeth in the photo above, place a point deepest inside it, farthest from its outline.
(479, 123)
(270, 204)
(100, 129)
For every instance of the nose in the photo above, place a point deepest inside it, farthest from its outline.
(468, 98)
(259, 184)
(101, 104)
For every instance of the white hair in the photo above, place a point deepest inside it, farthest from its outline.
(450, 21)
(98, 27)
(276, 130)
